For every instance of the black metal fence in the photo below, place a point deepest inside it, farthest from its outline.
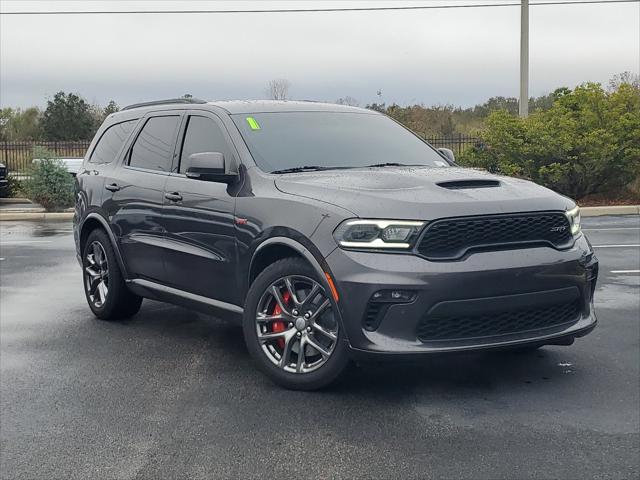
(18, 155)
(458, 143)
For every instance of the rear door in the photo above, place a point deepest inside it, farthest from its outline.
(134, 195)
(199, 215)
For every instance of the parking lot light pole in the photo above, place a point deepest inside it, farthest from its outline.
(524, 58)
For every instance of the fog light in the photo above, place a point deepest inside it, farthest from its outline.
(393, 296)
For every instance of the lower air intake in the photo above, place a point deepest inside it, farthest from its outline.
(451, 328)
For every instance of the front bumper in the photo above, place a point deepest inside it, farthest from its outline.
(484, 284)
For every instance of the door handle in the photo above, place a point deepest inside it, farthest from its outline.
(114, 187)
(174, 197)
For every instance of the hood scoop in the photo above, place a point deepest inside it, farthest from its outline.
(463, 184)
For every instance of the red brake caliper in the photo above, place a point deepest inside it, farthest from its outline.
(280, 326)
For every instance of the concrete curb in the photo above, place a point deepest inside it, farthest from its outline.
(12, 200)
(610, 210)
(25, 215)
(35, 216)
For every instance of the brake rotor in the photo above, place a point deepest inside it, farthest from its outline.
(279, 326)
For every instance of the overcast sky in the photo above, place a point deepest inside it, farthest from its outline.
(457, 56)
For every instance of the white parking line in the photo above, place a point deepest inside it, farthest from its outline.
(608, 229)
(617, 246)
(625, 271)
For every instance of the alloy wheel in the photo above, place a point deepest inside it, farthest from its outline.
(96, 274)
(295, 324)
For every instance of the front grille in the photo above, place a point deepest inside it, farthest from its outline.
(450, 239)
(445, 327)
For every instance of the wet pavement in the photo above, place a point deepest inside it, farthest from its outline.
(173, 394)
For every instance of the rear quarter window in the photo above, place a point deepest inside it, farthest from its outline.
(111, 142)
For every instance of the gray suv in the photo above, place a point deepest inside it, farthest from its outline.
(328, 231)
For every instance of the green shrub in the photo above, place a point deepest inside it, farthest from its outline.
(49, 183)
(14, 186)
(587, 142)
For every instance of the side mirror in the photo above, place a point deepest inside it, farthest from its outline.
(208, 166)
(448, 154)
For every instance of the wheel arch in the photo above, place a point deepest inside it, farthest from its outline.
(93, 221)
(291, 248)
(276, 248)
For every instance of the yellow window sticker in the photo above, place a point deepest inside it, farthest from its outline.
(253, 124)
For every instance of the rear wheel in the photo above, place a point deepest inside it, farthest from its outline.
(291, 329)
(105, 290)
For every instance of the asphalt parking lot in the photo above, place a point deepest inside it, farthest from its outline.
(173, 394)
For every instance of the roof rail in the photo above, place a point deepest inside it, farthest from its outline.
(164, 102)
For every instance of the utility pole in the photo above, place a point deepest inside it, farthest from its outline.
(524, 58)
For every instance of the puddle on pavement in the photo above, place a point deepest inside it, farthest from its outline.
(35, 229)
(616, 296)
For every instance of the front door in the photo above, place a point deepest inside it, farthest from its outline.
(134, 196)
(199, 216)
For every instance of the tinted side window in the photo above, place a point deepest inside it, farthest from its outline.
(202, 135)
(111, 142)
(153, 149)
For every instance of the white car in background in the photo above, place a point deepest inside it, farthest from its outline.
(73, 165)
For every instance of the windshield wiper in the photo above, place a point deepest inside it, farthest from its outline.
(306, 168)
(390, 164)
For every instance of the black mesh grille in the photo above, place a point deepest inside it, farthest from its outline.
(452, 238)
(373, 315)
(437, 328)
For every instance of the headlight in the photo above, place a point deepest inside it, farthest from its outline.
(574, 220)
(399, 234)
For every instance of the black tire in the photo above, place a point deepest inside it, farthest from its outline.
(120, 302)
(332, 367)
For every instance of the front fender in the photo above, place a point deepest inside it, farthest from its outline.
(309, 252)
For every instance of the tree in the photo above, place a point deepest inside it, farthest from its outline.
(587, 142)
(112, 107)
(68, 117)
(18, 125)
(378, 107)
(278, 89)
(620, 79)
(5, 118)
(352, 102)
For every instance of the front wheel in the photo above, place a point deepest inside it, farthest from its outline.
(291, 329)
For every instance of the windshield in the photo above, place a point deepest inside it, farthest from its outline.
(290, 140)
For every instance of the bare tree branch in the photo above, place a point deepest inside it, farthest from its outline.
(348, 100)
(278, 89)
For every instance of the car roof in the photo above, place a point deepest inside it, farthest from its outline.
(244, 106)
(268, 106)
(133, 112)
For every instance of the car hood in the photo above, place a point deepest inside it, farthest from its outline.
(421, 193)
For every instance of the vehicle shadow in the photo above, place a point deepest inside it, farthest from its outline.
(479, 372)
(223, 343)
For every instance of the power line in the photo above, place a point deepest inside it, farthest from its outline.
(306, 10)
